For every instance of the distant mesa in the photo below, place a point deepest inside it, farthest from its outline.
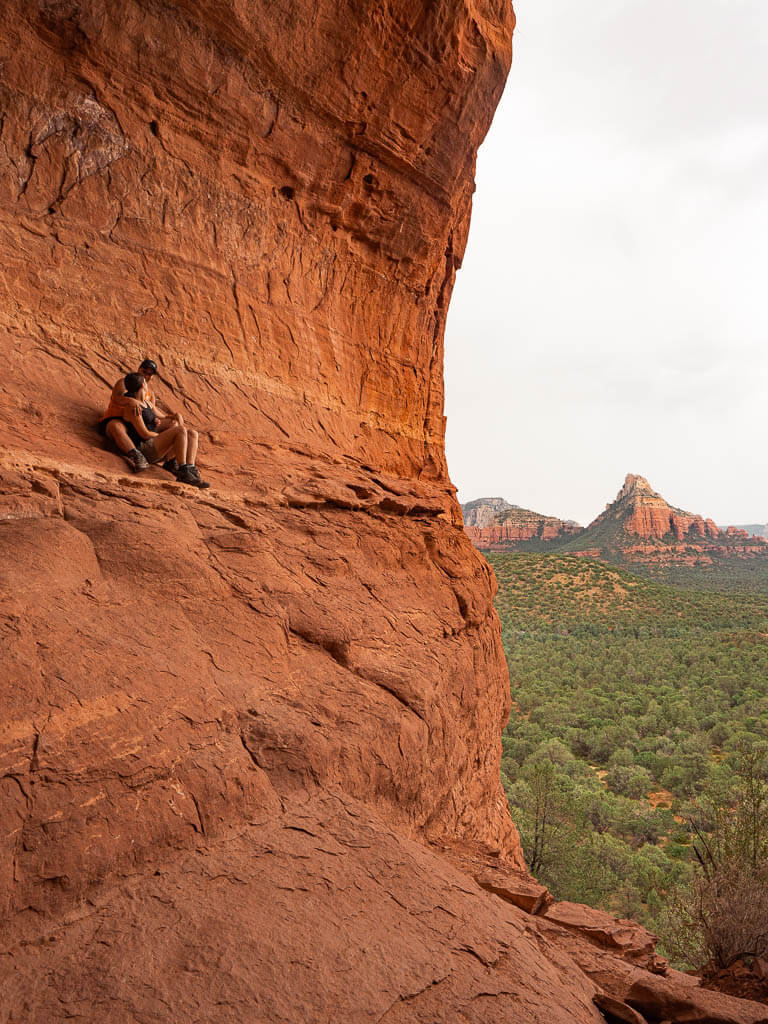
(755, 529)
(494, 524)
(638, 527)
(486, 511)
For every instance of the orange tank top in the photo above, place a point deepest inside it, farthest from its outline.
(117, 401)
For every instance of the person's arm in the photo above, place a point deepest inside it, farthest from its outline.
(118, 398)
(133, 415)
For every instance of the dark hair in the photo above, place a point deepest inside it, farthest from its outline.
(133, 383)
(149, 365)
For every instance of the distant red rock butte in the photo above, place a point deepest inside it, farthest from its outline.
(495, 526)
(638, 526)
(647, 514)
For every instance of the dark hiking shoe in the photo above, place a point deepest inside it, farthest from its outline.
(136, 460)
(171, 466)
(189, 475)
(200, 481)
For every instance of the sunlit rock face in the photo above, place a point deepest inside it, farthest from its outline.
(249, 737)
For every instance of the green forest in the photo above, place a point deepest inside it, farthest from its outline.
(725, 574)
(639, 712)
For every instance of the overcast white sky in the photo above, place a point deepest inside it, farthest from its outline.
(611, 315)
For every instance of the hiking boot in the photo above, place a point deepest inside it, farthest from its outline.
(200, 481)
(171, 466)
(136, 460)
(188, 475)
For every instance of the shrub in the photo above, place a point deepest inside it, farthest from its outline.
(723, 915)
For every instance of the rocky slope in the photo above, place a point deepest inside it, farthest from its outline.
(249, 738)
(493, 524)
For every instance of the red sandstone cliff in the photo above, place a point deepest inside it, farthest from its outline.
(249, 738)
(493, 524)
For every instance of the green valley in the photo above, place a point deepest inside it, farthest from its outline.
(633, 702)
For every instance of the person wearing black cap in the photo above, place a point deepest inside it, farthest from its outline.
(112, 423)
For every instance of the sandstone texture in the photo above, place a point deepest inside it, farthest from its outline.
(249, 737)
(494, 525)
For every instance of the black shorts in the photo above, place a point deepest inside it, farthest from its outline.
(130, 430)
(102, 425)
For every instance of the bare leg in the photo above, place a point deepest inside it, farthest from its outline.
(173, 440)
(188, 471)
(180, 449)
(116, 432)
(191, 447)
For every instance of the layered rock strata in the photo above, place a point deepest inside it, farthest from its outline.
(485, 511)
(249, 738)
(641, 527)
(503, 527)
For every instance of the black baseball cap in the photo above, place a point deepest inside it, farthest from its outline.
(149, 365)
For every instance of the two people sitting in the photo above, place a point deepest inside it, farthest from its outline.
(143, 436)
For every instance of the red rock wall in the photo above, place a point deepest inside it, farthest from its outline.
(516, 525)
(240, 728)
(273, 198)
(507, 536)
(661, 521)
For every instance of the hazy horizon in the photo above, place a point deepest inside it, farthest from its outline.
(608, 501)
(609, 317)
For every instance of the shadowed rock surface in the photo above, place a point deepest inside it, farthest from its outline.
(249, 739)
